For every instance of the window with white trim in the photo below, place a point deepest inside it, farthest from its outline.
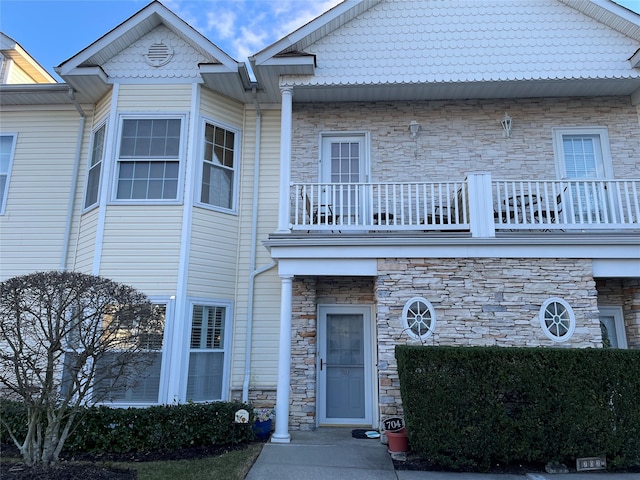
(95, 167)
(219, 165)
(557, 320)
(135, 387)
(149, 153)
(419, 318)
(7, 149)
(582, 155)
(207, 353)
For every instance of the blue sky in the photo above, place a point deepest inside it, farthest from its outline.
(54, 30)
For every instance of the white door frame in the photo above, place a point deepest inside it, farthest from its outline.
(369, 363)
(324, 163)
(618, 319)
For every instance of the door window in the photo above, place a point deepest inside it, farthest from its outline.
(343, 173)
(612, 327)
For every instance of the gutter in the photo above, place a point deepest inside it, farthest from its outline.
(252, 259)
(74, 181)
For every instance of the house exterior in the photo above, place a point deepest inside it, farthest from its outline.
(438, 172)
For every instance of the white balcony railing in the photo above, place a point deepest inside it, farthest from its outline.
(380, 206)
(468, 205)
(566, 204)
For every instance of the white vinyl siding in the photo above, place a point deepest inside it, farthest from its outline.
(7, 147)
(264, 357)
(32, 231)
(213, 253)
(141, 246)
(149, 98)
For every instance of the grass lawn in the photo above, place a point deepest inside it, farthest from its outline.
(231, 465)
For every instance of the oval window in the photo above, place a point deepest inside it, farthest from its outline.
(557, 320)
(419, 318)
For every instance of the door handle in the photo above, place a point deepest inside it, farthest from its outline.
(320, 364)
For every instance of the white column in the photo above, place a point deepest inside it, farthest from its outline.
(285, 158)
(281, 434)
(480, 205)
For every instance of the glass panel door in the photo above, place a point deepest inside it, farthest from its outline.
(343, 167)
(583, 161)
(345, 365)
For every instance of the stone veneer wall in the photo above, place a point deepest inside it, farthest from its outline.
(464, 136)
(307, 294)
(624, 292)
(479, 302)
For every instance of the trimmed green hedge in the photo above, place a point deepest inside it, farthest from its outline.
(117, 430)
(473, 407)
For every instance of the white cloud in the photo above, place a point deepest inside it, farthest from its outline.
(223, 22)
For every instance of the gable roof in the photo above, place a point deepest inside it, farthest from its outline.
(84, 73)
(11, 49)
(430, 49)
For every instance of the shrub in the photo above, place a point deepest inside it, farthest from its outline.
(164, 427)
(476, 406)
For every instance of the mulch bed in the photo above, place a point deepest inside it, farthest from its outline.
(84, 466)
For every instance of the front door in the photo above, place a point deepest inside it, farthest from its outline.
(345, 366)
(344, 162)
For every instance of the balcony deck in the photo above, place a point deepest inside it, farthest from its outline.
(478, 205)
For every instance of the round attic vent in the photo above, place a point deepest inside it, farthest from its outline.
(158, 54)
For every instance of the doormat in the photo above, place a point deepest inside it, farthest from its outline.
(364, 433)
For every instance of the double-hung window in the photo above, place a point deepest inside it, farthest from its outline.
(7, 148)
(219, 166)
(207, 353)
(149, 158)
(95, 167)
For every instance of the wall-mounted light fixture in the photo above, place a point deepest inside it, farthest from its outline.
(414, 128)
(506, 125)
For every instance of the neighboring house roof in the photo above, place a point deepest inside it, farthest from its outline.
(429, 49)
(129, 51)
(31, 70)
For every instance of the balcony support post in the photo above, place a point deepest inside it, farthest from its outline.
(281, 435)
(480, 204)
(285, 159)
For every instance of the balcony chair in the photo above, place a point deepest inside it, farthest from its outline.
(318, 216)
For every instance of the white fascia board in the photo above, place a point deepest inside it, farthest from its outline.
(329, 266)
(615, 267)
(466, 248)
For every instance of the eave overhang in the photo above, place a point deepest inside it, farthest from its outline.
(35, 94)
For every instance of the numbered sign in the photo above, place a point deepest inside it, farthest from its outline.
(393, 424)
(242, 416)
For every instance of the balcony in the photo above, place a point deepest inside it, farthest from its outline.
(478, 205)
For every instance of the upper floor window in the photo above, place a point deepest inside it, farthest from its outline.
(582, 152)
(149, 158)
(219, 166)
(95, 167)
(7, 147)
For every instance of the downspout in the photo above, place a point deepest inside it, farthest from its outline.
(74, 181)
(252, 258)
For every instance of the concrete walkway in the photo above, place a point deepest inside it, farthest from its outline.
(333, 454)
